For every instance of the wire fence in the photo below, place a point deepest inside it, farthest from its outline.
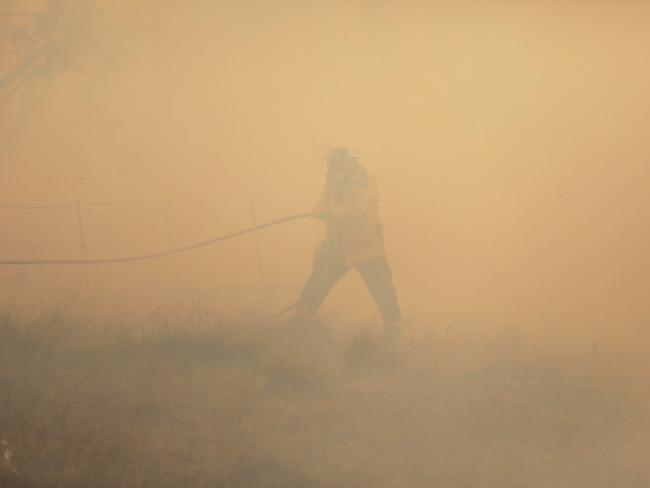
(153, 255)
(171, 251)
(57, 206)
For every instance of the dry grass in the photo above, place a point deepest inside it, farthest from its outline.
(222, 405)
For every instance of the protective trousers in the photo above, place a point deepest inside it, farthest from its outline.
(376, 274)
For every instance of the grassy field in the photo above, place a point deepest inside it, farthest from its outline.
(211, 404)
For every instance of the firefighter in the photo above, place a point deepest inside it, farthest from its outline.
(353, 239)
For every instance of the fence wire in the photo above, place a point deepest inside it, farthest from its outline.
(154, 255)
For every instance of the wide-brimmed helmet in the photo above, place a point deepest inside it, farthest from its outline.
(340, 157)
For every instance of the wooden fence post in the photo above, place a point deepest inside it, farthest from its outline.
(258, 247)
(82, 240)
(170, 241)
(260, 259)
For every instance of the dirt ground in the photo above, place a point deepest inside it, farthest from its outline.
(208, 404)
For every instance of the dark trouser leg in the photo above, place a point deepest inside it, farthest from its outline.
(323, 278)
(378, 277)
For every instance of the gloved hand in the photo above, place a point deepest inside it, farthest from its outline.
(318, 214)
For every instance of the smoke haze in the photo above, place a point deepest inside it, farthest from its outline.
(508, 141)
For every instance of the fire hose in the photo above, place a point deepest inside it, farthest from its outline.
(160, 254)
(155, 255)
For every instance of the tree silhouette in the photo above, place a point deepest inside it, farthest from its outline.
(65, 36)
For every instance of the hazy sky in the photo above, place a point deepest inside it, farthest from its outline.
(509, 140)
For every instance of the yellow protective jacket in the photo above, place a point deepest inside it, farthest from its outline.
(350, 210)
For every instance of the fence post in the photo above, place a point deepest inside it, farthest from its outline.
(258, 247)
(82, 240)
(170, 240)
(258, 252)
